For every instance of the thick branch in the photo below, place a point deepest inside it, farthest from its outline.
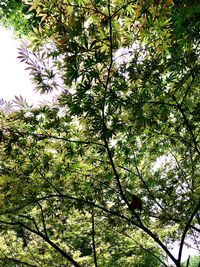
(52, 244)
(157, 240)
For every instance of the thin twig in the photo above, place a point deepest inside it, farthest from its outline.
(43, 219)
(93, 239)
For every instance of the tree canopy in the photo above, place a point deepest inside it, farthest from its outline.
(15, 14)
(107, 174)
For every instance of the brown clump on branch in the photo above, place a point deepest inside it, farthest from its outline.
(136, 203)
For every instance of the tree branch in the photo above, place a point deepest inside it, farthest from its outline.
(87, 202)
(147, 250)
(52, 244)
(187, 226)
(43, 219)
(45, 136)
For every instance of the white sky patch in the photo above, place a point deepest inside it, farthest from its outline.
(14, 79)
(187, 250)
(161, 161)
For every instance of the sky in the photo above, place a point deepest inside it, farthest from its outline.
(15, 81)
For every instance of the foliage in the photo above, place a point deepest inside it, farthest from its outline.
(194, 261)
(15, 14)
(124, 127)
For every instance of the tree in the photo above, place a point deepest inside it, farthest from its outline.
(108, 173)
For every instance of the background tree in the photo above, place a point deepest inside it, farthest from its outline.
(108, 173)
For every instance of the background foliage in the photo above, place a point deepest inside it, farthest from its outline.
(15, 14)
